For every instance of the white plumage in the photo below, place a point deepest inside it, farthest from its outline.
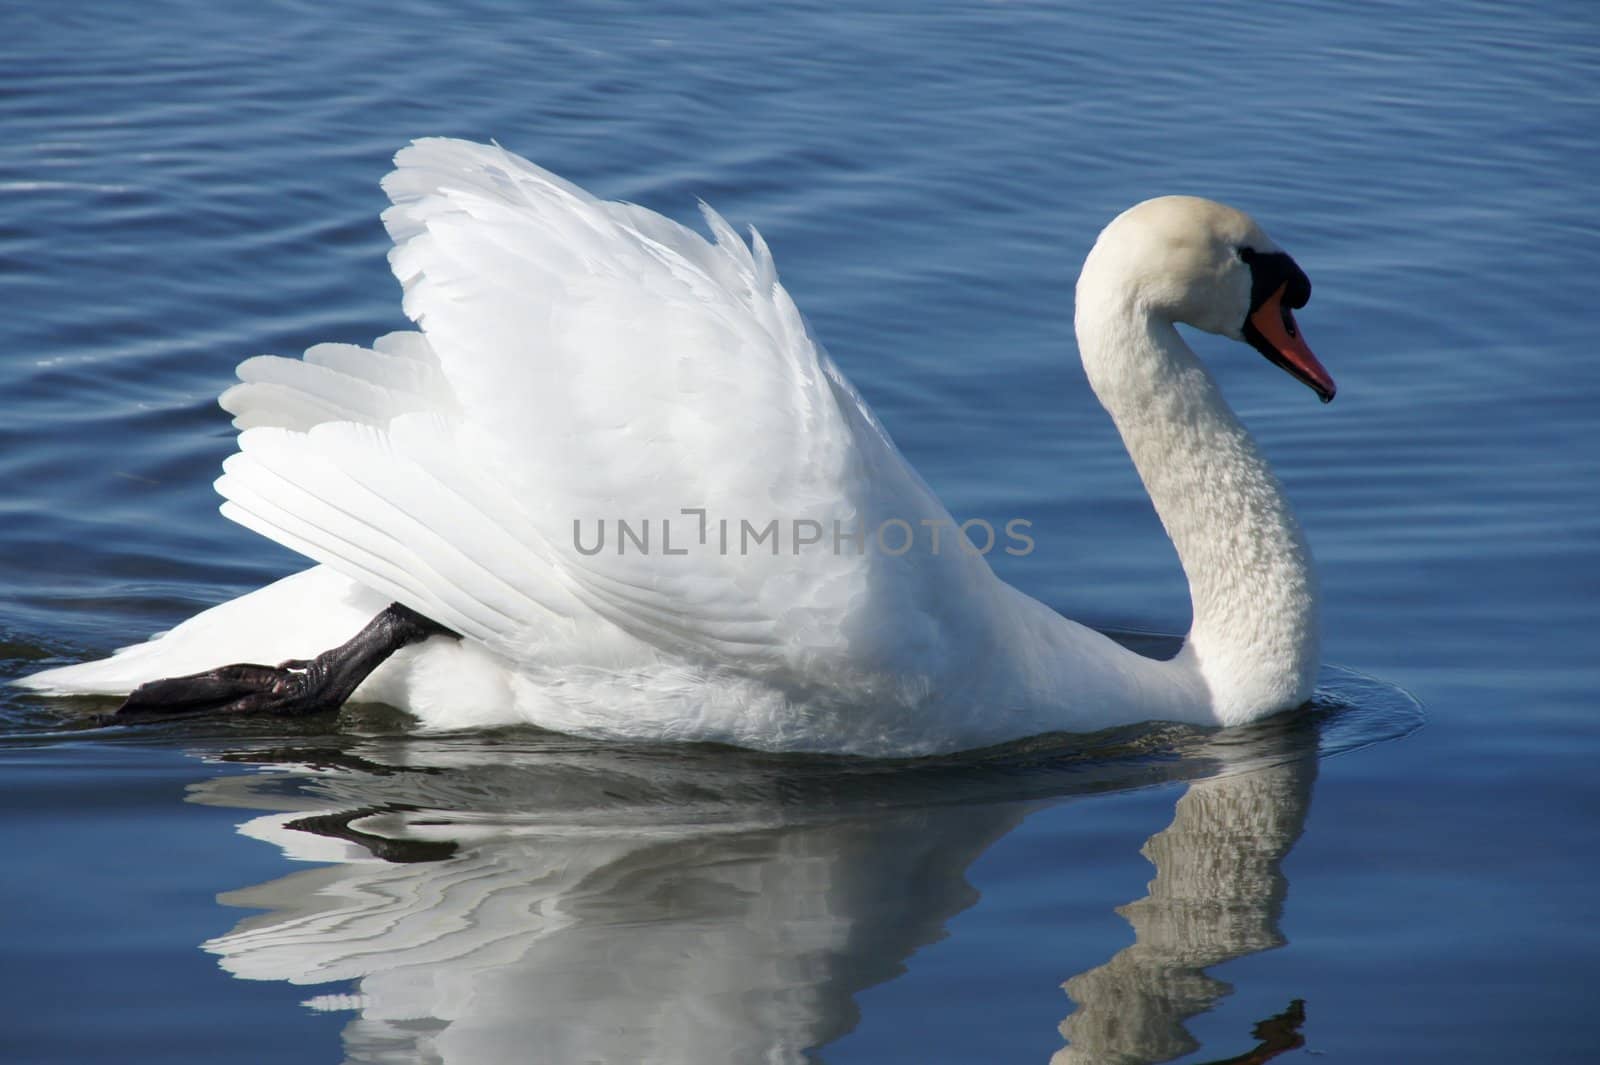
(581, 362)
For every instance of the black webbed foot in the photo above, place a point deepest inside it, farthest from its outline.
(243, 688)
(295, 687)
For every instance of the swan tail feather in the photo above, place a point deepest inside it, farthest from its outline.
(296, 617)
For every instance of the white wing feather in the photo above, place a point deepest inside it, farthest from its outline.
(579, 362)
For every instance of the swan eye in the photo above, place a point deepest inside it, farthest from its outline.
(1271, 270)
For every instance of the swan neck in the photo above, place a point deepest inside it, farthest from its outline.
(1254, 636)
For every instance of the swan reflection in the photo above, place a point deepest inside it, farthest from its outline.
(1217, 895)
(540, 900)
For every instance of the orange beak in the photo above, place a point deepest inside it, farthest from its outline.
(1271, 330)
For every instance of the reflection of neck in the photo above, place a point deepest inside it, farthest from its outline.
(1217, 895)
(1250, 577)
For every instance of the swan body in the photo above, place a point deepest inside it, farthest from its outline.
(580, 364)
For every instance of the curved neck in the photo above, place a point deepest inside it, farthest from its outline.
(1254, 636)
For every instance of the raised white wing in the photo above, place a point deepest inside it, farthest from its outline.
(583, 362)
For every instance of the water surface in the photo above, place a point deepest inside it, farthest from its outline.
(182, 186)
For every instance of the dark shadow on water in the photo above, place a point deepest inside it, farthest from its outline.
(1278, 1035)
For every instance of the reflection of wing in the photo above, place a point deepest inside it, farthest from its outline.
(568, 936)
(1217, 895)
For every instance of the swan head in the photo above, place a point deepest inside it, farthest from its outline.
(1210, 266)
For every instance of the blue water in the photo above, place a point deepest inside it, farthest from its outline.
(184, 185)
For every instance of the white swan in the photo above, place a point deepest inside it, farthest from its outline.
(581, 362)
